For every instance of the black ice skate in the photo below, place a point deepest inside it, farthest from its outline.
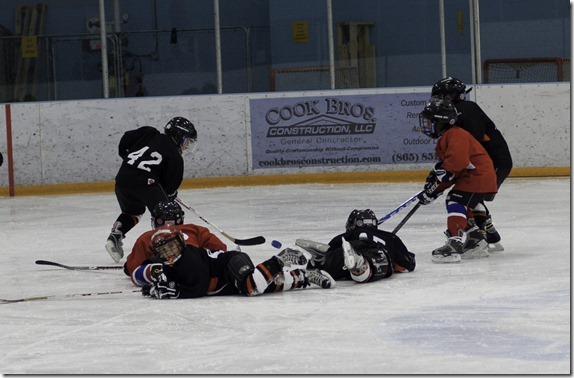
(114, 245)
(475, 245)
(320, 278)
(451, 251)
(316, 249)
(292, 258)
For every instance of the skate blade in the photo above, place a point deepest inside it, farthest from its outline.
(114, 254)
(495, 247)
(329, 282)
(475, 254)
(454, 258)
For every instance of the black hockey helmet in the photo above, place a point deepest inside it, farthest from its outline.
(167, 212)
(181, 131)
(361, 218)
(167, 243)
(437, 116)
(450, 87)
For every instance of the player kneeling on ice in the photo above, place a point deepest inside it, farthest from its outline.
(362, 253)
(177, 270)
(464, 163)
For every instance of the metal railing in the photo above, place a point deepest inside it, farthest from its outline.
(179, 62)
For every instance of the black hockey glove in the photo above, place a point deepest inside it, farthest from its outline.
(438, 175)
(441, 174)
(426, 198)
(431, 177)
(146, 291)
(171, 197)
(164, 289)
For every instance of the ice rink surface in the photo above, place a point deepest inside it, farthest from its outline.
(507, 314)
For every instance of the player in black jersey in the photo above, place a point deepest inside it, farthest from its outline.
(177, 270)
(474, 120)
(151, 172)
(363, 253)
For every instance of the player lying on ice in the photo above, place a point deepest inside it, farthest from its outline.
(169, 212)
(362, 253)
(177, 270)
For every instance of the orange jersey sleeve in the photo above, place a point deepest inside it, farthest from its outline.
(464, 156)
(141, 251)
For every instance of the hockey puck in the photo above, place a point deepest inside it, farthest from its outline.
(276, 244)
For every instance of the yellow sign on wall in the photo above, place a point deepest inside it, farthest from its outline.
(300, 31)
(29, 47)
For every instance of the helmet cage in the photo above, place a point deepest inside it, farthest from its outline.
(188, 144)
(437, 116)
(167, 244)
(427, 127)
(169, 249)
(182, 132)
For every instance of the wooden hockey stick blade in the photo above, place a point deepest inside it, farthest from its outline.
(51, 263)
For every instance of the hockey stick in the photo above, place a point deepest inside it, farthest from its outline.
(45, 297)
(251, 241)
(400, 207)
(108, 267)
(406, 218)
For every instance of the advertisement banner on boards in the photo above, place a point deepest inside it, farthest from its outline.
(339, 130)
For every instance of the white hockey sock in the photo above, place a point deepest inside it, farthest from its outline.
(260, 282)
(294, 279)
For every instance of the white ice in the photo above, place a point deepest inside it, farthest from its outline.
(508, 314)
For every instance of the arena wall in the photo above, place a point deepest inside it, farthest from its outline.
(71, 146)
